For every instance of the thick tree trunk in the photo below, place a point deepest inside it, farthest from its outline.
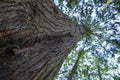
(35, 38)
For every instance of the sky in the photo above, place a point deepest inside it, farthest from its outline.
(110, 60)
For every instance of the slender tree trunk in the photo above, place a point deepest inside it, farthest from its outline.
(35, 38)
(99, 71)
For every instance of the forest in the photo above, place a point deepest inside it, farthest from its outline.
(59, 40)
(97, 55)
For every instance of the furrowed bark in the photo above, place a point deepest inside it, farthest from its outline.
(35, 38)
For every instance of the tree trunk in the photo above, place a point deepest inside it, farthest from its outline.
(35, 38)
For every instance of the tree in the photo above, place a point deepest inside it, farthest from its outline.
(35, 38)
(100, 45)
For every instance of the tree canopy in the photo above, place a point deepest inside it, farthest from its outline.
(97, 56)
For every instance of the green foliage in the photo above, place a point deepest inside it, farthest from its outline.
(116, 78)
(117, 4)
(100, 45)
(72, 3)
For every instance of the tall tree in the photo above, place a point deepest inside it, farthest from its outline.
(35, 38)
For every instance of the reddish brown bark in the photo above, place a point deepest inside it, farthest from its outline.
(35, 38)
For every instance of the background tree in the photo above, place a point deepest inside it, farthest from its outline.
(100, 45)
